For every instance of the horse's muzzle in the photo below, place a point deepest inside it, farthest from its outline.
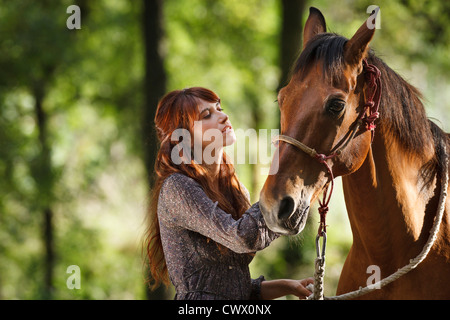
(286, 216)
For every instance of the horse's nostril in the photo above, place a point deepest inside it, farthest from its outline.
(286, 208)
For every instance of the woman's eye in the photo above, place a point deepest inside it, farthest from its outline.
(336, 106)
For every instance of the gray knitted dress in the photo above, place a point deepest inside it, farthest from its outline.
(190, 224)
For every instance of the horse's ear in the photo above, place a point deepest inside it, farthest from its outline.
(356, 48)
(314, 25)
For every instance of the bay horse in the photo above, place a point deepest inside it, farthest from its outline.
(391, 176)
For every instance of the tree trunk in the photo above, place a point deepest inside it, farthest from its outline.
(154, 89)
(155, 78)
(49, 252)
(291, 36)
(44, 177)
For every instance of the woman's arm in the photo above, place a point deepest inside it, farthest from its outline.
(183, 203)
(273, 289)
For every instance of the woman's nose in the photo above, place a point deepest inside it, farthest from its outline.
(223, 117)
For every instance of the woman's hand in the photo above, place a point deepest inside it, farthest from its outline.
(299, 289)
(273, 289)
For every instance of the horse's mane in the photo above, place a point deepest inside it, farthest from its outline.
(401, 109)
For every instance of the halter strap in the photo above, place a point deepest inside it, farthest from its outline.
(310, 151)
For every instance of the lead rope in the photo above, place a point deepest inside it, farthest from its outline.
(319, 272)
(413, 263)
(322, 232)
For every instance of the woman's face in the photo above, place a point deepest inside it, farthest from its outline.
(213, 124)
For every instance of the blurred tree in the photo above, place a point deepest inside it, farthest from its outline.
(155, 78)
(291, 36)
(65, 113)
(154, 89)
(29, 63)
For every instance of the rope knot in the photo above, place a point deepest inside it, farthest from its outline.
(321, 157)
(323, 210)
(370, 120)
(369, 104)
(373, 116)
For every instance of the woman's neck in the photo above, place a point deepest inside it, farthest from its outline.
(213, 167)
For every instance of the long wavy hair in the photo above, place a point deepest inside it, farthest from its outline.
(179, 109)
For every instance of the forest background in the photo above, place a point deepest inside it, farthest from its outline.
(76, 123)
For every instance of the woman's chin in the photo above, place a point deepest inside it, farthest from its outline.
(229, 139)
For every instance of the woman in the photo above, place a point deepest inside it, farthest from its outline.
(203, 232)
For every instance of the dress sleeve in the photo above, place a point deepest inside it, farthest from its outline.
(255, 293)
(183, 203)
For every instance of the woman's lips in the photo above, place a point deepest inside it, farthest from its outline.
(227, 128)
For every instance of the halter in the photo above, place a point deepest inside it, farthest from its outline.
(373, 93)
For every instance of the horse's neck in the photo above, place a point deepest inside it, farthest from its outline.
(386, 203)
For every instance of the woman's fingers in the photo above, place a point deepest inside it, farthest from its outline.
(300, 289)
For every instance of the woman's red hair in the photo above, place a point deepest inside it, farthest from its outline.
(179, 109)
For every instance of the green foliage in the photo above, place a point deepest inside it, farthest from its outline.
(90, 104)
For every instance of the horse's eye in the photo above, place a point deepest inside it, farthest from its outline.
(335, 106)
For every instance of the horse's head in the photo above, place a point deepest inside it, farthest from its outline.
(319, 107)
